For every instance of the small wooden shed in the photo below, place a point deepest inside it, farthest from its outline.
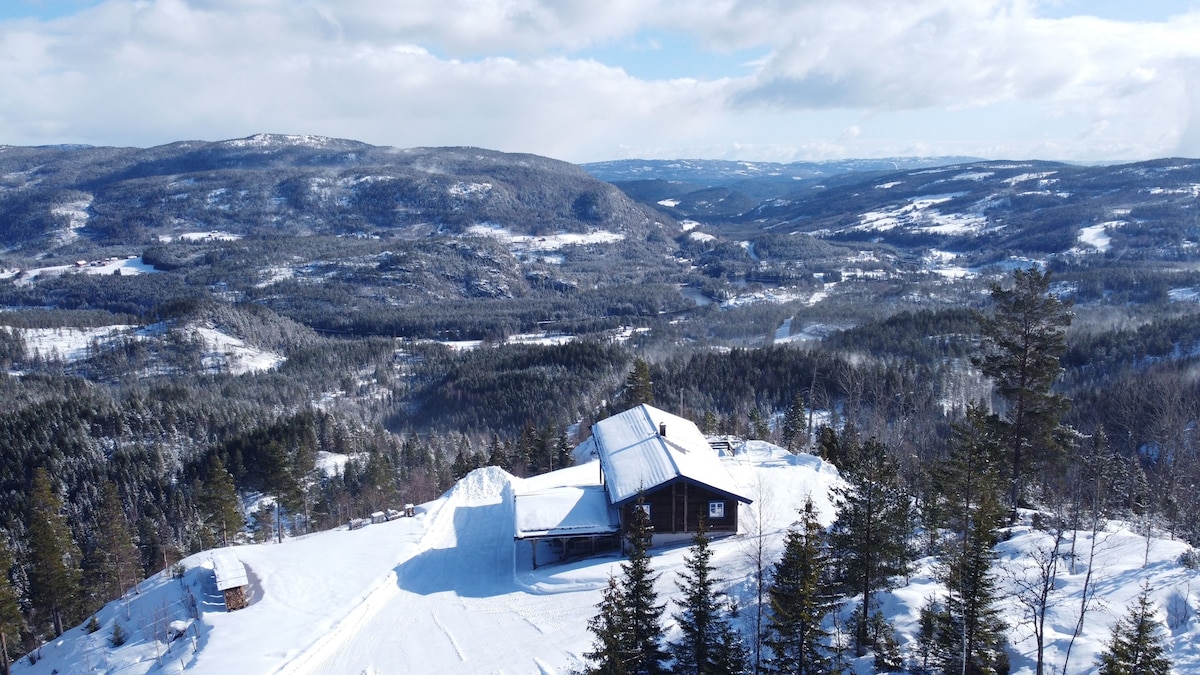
(232, 578)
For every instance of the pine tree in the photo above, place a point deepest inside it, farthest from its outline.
(971, 633)
(1024, 339)
(870, 537)
(709, 645)
(1136, 646)
(54, 577)
(799, 603)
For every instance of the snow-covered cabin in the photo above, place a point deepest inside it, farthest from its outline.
(664, 459)
(644, 452)
(232, 578)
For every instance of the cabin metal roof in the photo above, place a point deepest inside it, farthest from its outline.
(636, 458)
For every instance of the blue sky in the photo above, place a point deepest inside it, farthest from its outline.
(783, 80)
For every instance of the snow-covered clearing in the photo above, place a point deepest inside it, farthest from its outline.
(1095, 238)
(229, 354)
(545, 339)
(68, 344)
(1184, 294)
(550, 242)
(974, 175)
(1191, 190)
(1023, 177)
(76, 215)
(942, 264)
(450, 591)
(464, 189)
(212, 235)
(224, 353)
(920, 215)
(118, 266)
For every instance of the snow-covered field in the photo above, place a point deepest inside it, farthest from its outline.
(920, 215)
(119, 266)
(450, 591)
(223, 353)
(226, 353)
(522, 243)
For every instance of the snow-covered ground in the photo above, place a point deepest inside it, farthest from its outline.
(1095, 238)
(919, 215)
(69, 344)
(521, 243)
(118, 266)
(224, 353)
(450, 591)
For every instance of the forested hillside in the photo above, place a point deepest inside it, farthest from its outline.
(194, 334)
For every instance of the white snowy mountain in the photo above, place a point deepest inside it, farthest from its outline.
(450, 591)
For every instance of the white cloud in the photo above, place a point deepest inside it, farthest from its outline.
(846, 78)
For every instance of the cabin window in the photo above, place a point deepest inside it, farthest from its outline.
(716, 509)
(644, 507)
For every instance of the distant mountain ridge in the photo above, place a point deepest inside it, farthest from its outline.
(278, 184)
(711, 172)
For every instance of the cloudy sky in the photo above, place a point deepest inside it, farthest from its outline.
(588, 80)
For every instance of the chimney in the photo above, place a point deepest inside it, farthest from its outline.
(662, 429)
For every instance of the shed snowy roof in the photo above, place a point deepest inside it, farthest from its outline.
(230, 571)
(636, 455)
(564, 511)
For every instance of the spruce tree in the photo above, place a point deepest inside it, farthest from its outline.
(643, 614)
(638, 387)
(870, 537)
(1136, 646)
(11, 622)
(1023, 341)
(795, 425)
(628, 627)
(708, 645)
(971, 633)
(219, 503)
(54, 576)
(610, 646)
(114, 563)
(799, 602)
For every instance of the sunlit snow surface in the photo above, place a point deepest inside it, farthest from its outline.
(550, 242)
(449, 591)
(223, 353)
(920, 215)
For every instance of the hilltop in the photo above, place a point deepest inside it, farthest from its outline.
(449, 591)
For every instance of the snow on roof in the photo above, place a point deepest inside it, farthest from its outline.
(230, 571)
(636, 458)
(564, 511)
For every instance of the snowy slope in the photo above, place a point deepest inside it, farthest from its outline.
(449, 591)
